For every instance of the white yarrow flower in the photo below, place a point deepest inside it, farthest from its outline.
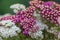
(41, 25)
(36, 35)
(17, 7)
(8, 29)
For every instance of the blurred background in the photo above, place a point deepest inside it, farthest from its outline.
(5, 5)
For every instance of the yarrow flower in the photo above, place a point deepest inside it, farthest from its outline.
(48, 10)
(26, 20)
(38, 33)
(17, 7)
(7, 23)
(8, 29)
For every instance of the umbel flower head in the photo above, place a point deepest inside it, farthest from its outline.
(48, 10)
(8, 29)
(17, 7)
(39, 32)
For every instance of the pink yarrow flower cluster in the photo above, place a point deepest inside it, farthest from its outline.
(27, 20)
(48, 10)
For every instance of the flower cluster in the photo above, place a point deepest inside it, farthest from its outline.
(8, 29)
(17, 7)
(38, 33)
(48, 10)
